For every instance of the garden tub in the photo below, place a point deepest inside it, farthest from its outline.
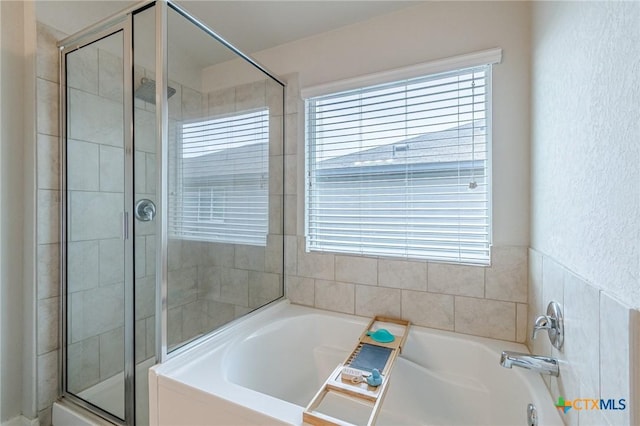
(264, 369)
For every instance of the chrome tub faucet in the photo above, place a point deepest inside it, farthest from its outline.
(537, 363)
(553, 323)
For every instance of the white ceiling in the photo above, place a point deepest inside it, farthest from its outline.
(251, 26)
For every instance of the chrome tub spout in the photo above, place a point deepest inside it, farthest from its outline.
(537, 363)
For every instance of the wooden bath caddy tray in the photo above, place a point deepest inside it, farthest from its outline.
(366, 355)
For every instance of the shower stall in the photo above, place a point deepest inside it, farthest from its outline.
(172, 217)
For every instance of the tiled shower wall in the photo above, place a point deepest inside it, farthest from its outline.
(482, 301)
(599, 357)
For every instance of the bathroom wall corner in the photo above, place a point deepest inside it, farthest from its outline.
(17, 83)
(30, 248)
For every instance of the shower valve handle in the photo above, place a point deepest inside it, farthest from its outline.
(145, 210)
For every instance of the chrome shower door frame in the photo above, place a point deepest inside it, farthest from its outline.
(121, 23)
(162, 176)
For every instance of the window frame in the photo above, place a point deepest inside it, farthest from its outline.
(432, 69)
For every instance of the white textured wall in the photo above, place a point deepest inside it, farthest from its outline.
(11, 135)
(421, 33)
(586, 141)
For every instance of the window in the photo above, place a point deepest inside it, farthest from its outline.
(208, 201)
(402, 169)
(221, 188)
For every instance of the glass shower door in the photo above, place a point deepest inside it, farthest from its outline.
(215, 252)
(97, 271)
(225, 183)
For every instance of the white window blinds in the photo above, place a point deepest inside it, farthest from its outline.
(402, 169)
(220, 191)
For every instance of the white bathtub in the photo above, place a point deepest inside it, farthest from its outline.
(266, 368)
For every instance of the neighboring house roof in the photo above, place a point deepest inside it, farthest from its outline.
(426, 148)
(429, 150)
(239, 161)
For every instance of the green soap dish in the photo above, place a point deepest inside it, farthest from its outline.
(382, 335)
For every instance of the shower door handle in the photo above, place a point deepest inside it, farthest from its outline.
(145, 210)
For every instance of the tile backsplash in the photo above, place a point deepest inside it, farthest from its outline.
(600, 354)
(444, 296)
